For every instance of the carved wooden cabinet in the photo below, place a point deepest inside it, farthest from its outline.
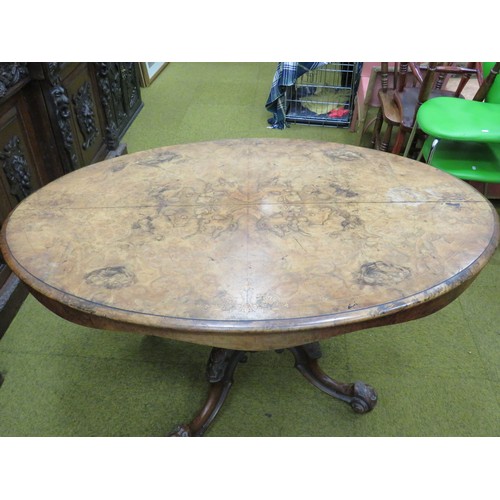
(55, 118)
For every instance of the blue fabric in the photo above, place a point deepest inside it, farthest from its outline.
(285, 76)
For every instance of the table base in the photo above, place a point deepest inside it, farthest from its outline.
(222, 364)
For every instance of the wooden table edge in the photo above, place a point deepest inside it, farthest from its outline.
(257, 335)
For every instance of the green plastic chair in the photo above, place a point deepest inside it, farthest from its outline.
(464, 135)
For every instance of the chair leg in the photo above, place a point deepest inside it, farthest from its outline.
(386, 139)
(411, 139)
(398, 144)
(376, 130)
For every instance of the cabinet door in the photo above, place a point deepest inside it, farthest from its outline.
(72, 101)
(87, 120)
(120, 96)
(131, 93)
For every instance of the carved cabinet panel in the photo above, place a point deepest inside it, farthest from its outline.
(73, 104)
(120, 97)
(20, 171)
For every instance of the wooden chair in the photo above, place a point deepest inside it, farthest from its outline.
(414, 83)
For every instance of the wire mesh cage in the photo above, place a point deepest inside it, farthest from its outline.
(324, 96)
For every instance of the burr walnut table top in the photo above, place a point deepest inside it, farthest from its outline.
(250, 244)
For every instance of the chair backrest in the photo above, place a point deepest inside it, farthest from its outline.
(491, 83)
(435, 75)
(438, 77)
(403, 74)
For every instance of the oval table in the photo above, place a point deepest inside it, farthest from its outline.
(250, 245)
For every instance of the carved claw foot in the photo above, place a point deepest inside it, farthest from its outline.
(360, 396)
(364, 397)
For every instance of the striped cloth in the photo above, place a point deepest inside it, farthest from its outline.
(285, 76)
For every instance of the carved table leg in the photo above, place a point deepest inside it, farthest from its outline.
(362, 397)
(223, 362)
(220, 369)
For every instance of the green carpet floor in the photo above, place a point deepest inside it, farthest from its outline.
(437, 376)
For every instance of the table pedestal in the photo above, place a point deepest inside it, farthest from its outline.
(222, 364)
